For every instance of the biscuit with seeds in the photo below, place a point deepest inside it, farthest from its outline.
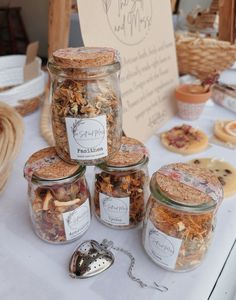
(224, 171)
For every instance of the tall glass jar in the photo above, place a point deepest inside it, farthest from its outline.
(59, 199)
(121, 186)
(180, 216)
(86, 104)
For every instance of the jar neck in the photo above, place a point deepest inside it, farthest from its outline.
(83, 73)
(162, 198)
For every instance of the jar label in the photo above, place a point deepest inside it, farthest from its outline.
(77, 221)
(229, 102)
(221, 97)
(162, 248)
(114, 211)
(87, 137)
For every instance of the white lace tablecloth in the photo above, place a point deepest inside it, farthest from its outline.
(32, 269)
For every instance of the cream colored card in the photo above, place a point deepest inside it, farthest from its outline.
(142, 31)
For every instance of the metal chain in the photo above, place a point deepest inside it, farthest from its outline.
(156, 286)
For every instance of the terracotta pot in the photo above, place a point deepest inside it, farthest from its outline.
(190, 104)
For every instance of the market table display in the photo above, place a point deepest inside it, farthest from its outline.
(33, 267)
(172, 194)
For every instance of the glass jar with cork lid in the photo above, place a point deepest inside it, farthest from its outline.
(180, 216)
(86, 104)
(121, 186)
(59, 199)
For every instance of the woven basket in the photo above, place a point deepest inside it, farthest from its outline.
(202, 57)
(26, 107)
(24, 96)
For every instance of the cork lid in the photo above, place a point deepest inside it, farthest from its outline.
(189, 185)
(131, 153)
(45, 164)
(84, 57)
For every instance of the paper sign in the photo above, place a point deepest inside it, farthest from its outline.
(142, 31)
(32, 66)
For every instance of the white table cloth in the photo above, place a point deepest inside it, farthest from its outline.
(33, 269)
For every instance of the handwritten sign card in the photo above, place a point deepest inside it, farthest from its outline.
(142, 31)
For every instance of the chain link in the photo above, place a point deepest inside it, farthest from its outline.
(156, 286)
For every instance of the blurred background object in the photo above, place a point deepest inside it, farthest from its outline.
(14, 38)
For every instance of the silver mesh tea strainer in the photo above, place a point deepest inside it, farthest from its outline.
(91, 258)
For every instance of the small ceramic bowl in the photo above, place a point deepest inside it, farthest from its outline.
(191, 100)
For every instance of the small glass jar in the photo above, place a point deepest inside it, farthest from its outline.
(86, 104)
(180, 216)
(59, 199)
(121, 186)
(224, 95)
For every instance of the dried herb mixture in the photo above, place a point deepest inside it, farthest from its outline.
(49, 204)
(195, 231)
(126, 184)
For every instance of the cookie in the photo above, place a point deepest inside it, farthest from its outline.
(184, 139)
(225, 172)
(226, 131)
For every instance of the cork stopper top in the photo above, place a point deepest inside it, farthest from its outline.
(45, 164)
(189, 185)
(84, 57)
(131, 153)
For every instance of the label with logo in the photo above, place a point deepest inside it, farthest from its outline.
(230, 103)
(129, 21)
(162, 248)
(77, 221)
(114, 211)
(87, 137)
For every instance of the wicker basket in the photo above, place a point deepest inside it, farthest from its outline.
(201, 57)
